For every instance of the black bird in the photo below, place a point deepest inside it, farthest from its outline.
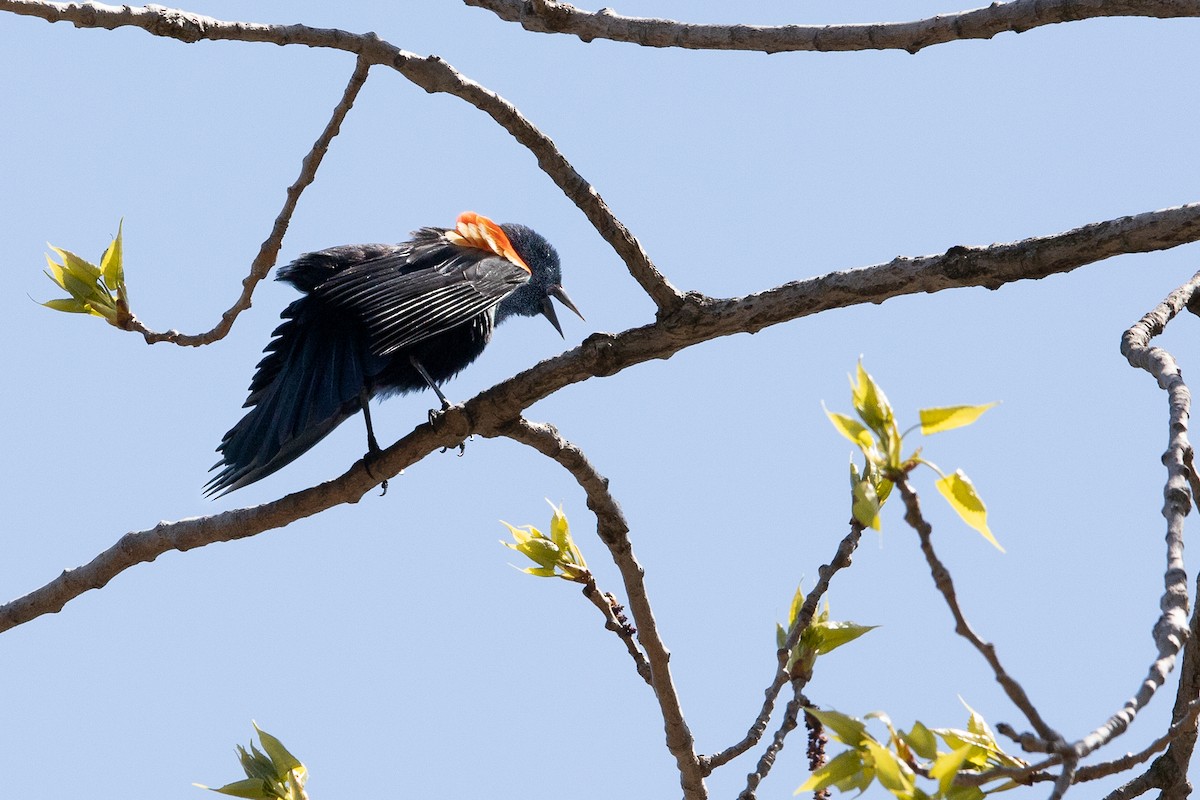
(382, 319)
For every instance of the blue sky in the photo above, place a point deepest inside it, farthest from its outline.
(389, 644)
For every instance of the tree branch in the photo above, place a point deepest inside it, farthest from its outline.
(614, 532)
(432, 74)
(841, 559)
(945, 585)
(700, 319)
(269, 251)
(551, 16)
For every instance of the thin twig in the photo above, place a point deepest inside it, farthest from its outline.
(789, 722)
(431, 74)
(269, 251)
(841, 559)
(614, 532)
(615, 622)
(945, 585)
(551, 16)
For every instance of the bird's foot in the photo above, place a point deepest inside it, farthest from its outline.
(373, 453)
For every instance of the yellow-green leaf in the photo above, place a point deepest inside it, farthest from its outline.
(921, 741)
(283, 760)
(81, 267)
(961, 495)
(839, 768)
(835, 634)
(848, 730)
(947, 765)
(852, 429)
(68, 304)
(865, 505)
(893, 774)
(111, 267)
(935, 420)
(250, 788)
(871, 403)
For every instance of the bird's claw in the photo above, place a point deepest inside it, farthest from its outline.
(373, 452)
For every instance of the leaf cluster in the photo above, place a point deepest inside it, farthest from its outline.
(556, 555)
(905, 756)
(272, 773)
(877, 435)
(98, 290)
(822, 636)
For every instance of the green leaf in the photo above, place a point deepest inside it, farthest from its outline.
(947, 765)
(921, 741)
(865, 505)
(961, 495)
(836, 634)
(253, 788)
(852, 429)
(80, 267)
(893, 774)
(797, 604)
(935, 420)
(111, 267)
(848, 730)
(284, 761)
(841, 767)
(68, 304)
(871, 403)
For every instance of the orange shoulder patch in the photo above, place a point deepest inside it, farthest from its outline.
(476, 230)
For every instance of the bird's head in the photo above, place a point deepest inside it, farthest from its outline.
(545, 281)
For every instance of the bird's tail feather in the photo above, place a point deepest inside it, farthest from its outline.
(310, 381)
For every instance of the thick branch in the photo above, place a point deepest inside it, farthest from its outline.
(550, 16)
(614, 532)
(604, 354)
(432, 74)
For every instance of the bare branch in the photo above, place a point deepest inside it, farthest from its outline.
(1129, 760)
(432, 74)
(551, 16)
(615, 622)
(841, 559)
(790, 719)
(1170, 632)
(945, 585)
(269, 251)
(614, 532)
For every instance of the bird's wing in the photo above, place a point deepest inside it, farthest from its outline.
(406, 297)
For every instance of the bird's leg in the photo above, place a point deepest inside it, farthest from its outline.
(373, 449)
(462, 447)
(429, 382)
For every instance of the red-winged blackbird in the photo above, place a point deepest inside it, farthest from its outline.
(383, 319)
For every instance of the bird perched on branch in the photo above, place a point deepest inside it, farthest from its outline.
(381, 319)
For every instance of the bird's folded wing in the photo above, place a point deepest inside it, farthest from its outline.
(401, 307)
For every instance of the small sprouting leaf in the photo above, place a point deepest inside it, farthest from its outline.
(871, 403)
(852, 429)
(865, 505)
(111, 267)
(961, 495)
(935, 420)
(841, 767)
(848, 730)
(68, 304)
(284, 761)
(250, 788)
(835, 634)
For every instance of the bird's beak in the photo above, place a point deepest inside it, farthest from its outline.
(548, 307)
